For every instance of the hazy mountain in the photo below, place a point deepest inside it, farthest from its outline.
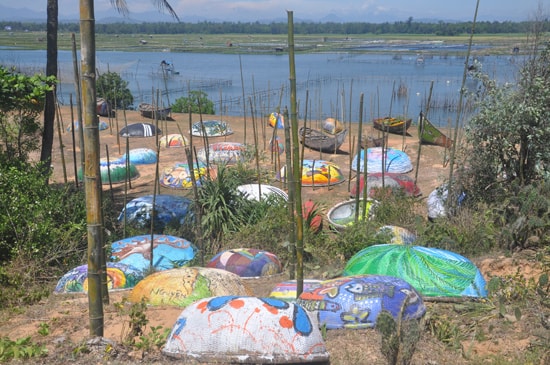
(111, 16)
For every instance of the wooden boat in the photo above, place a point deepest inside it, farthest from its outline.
(392, 125)
(149, 111)
(321, 141)
(429, 134)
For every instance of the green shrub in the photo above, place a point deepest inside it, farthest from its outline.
(42, 233)
(196, 102)
(21, 102)
(111, 87)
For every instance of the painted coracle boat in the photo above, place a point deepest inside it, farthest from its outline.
(211, 128)
(321, 141)
(392, 125)
(429, 134)
(153, 112)
(178, 176)
(225, 153)
(140, 130)
(317, 173)
(378, 159)
(432, 271)
(342, 215)
(113, 172)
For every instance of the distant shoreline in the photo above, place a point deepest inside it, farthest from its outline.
(486, 44)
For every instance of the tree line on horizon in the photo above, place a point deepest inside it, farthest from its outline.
(409, 26)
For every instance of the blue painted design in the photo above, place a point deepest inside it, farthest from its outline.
(168, 251)
(178, 326)
(276, 303)
(168, 208)
(216, 303)
(356, 301)
(302, 322)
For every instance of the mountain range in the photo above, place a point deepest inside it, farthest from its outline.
(29, 15)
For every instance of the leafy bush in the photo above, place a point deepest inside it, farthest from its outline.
(42, 232)
(111, 87)
(508, 136)
(196, 102)
(21, 102)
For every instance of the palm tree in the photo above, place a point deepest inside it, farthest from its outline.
(51, 70)
(92, 177)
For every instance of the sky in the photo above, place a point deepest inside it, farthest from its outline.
(315, 10)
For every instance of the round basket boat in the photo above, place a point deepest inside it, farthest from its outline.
(114, 172)
(178, 176)
(342, 215)
(211, 128)
(317, 173)
(169, 252)
(119, 276)
(182, 286)
(247, 262)
(140, 156)
(355, 302)
(253, 191)
(222, 153)
(392, 160)
(246, 330)
(140, 130)
(173, 140)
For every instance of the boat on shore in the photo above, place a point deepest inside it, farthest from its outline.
(392, 125)
(430, 134)
(322, 141)
(153, 112)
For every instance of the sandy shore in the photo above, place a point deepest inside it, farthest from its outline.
(431, 170)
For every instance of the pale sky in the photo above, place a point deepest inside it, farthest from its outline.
(315, 10)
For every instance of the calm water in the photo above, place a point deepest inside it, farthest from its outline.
(332, 81)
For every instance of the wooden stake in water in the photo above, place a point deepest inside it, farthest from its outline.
(74, 141)
(358, 182)
(61, 146)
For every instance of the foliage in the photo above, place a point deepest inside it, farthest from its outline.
(354, 238)
(22, 100)
(196, 102)
(408, 26)
(395, 208)
(399, 336)
(37, 220)
(138, 321)
(42, 232)
(224, 210)
(111, 87)
(524, 217)
(471, 231)
(508, 136)
(20, 349)
(268, 232)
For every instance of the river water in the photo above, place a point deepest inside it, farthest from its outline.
(392, 82)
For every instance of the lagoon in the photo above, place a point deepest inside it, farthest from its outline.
(392, 82)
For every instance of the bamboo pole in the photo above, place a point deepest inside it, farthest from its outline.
(92, 176)
(358, 180)
(450, 200)
(420, 132)
(74, 141)
(59, 135)
(296, 161)
(78, 100)
(244, 100)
